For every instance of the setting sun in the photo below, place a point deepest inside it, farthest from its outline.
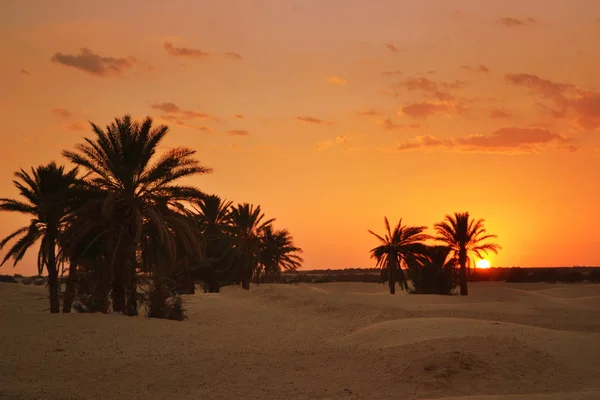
(483, 264)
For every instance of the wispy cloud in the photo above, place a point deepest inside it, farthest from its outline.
(583, 105)
(24, 72)
(480, 68)
(369, 112)
(392, 48)
(95, 64)
(238, 116)
(336, 80)
(512, 22)
(238, 132)
(313, 120)
(510, 140)
(499, 113)
(184, 51)
(329, 143)
(168, 107)
(75, 126)
(423, 110)
(175, 113)
(62, 112)
(388, 124)
(392, 73)
(233, 56)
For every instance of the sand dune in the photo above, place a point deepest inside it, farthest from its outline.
(324, 341)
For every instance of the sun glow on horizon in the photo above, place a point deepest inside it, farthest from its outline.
(483, 264)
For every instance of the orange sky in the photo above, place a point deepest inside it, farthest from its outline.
(333, 113)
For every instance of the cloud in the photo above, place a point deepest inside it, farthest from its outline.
(238, 132)
(24, 72)
(515, 22)
(510, 140)
(439, 91)
(233, 56)
(583, 105)
(313, 120)
(166, 107)
(62, 112)
(336, 80)
(369, 112)
(388, 124)
(337, 141)
(176, 113)
(238, 116)
(184, 51)
(479, 68)
(75, 126)
(500, 113)
(182, 124)
(392, 48)
(423, 110)
(392, 73)
(95, 64)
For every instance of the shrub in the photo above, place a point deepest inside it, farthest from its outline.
(18, 276)
(27, 281)
(7, 279)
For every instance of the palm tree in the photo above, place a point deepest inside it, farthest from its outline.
(248, 226)
(404, 241)
(122, 163)
(214, 219)
(278, 253)
(465, 237)
(47, 194)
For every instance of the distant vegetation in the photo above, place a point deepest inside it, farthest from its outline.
(504, 274)
(129, 233)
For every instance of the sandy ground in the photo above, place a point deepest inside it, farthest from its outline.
(325, 341)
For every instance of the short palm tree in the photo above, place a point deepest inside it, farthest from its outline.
(434, 273)
(122, 162)
(47, 200)
(465, 237)
(278, 253)
(248, 225)
(404, 241)
(213, 217)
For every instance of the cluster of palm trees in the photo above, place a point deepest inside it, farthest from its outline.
(432, 268)
(125, 225)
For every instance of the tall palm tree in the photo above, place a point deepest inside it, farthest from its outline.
(122, 162)
(48, 199)
(248, 225)
(278, 253)
(465, 237)
(404, 241)
(214, 219)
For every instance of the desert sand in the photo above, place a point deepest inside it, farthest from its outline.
(322, 341)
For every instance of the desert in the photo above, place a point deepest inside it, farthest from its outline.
(312, 341)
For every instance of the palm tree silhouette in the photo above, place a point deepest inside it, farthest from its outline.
(122, 163)
(404, 241)
(213, 217)
(278, 253)
(48, 200)
(465, 237)
(248, 225)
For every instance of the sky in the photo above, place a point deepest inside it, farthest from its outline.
(332, 114)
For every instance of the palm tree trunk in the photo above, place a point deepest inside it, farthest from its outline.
(462, 273)
(132, 295)
(392, 261)
(53, 283)
(70, 289)
(118, 289)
